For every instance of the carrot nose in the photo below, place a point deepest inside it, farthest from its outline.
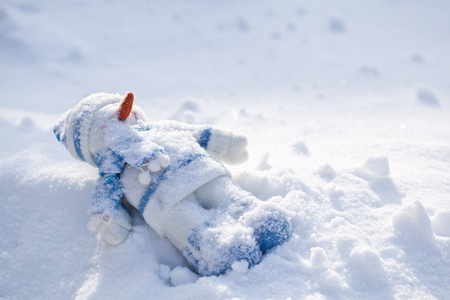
(126, 106)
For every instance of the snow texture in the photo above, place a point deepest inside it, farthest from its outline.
(345, 106)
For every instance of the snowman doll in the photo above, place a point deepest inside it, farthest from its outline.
(172, 173)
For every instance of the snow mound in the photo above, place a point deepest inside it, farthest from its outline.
(413, 223)
(300, 147)
(182, 275)
(374, 168)
(327, 172)
(441, 222)
(367, 264)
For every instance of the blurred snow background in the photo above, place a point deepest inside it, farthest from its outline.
(345, 105)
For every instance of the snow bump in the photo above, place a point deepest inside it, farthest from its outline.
(182, 275)
(427, 97)
(440, 222)
(413, 223)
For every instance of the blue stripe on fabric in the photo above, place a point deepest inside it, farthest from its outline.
(190, 258)
(163, 176)
(151, 156)
(108, 162)
(143, 128)
(107, 194)
(76, 136)
(57, 134)
(204, 138)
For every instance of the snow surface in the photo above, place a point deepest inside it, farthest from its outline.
(345, 105)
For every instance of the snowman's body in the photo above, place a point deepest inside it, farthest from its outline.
(170, 172)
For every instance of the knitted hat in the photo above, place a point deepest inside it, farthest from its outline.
(73, 129)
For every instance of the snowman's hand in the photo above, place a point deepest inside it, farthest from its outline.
(227, 147)
(95, 222)
(159, 162)
(114, 228)
(236, 152)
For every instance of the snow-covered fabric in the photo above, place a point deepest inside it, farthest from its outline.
(190, 168)
(171, 173)
(79, 121)
(113, 229)
(223, 145)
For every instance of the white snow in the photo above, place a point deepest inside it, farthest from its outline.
(345, 105)
(182, 275)
(441, 222)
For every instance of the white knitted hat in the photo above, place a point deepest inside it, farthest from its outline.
(79, 122)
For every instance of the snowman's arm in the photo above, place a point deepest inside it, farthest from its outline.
(221, 144)
(107, 195)
(138, 152)
(108, 214)
(109, 162)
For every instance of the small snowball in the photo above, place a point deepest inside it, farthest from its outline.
(338, 221)
(413, 223)
(318, 257)
(189, 117)
(27, 125)
(374, 169)
(417, 58)
(164, 272)
(264, 164)
(299, 221)
(336, 25)
(182, 275)
(427, 97)
(242, 25)
(378, 165)
(301, 11)
(327, 172)
(300, 147)
(440, 222)
(164, 160)
(190, 105)
(186, 112)
(240, 266)
(331, 281)
(367, 262)
(345, 243)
